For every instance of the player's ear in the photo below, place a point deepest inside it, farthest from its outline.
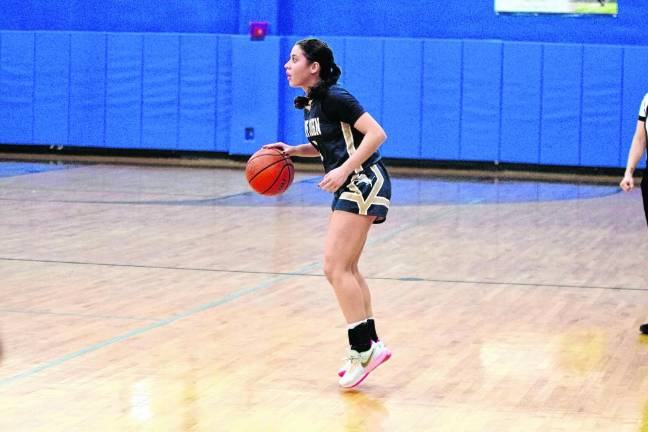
(315, 67)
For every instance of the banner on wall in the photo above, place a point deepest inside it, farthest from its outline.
(573, 7)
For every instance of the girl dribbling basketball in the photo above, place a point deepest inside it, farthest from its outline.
(347, 138)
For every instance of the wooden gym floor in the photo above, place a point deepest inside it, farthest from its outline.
(171, 299)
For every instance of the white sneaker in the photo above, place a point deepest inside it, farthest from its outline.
(361, 364)
(347, 362)
(346, 365)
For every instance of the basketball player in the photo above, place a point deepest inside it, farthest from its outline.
(346, 137)
(637, 150)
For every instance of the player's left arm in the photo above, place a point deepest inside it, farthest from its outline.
(374, 136)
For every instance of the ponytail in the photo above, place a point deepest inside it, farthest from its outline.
(328, 78)
(318, 51)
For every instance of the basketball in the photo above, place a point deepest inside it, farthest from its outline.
(269, 172)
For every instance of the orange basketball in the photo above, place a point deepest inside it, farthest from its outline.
(269, 172)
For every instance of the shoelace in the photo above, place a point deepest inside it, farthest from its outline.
(353, 358)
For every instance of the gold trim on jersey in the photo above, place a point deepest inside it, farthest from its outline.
(348, 139)
(356, 196)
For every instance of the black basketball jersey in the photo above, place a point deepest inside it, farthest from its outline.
(328, 124)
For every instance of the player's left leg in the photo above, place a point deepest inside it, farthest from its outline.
(345, 240)
(368, 310)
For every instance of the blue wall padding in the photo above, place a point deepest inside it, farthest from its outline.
(364, 73)
(224, 78)
(51, 87)
(602, 100)
(635, 86)
(197, 108)
(521, 97)
(561, 104)
(521, 102)
(160, 79)
(402, 97)
(255, 96)
(123, 90)
(480, 115)
(87, 89)
(16, 87)
(441, 99)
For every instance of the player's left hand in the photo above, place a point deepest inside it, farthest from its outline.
(333, 179)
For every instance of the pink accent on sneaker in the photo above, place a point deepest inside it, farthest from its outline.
(375, 362)
(388, 354)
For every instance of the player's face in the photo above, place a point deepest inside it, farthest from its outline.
(299, 71)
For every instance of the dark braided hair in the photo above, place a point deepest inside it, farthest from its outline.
(318, 51)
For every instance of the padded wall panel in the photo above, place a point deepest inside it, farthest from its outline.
(51, 87)
(255, 95)
(441, 99)
(561, 104)
(198, 71)
(124, 90)
(160, 87)
(16, 87)
(87, 89)
(402, 98)
(364, 73)
(224, 102)
(521, 98)
(602, 105)
(480, 113)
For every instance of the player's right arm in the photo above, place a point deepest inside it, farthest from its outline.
(304, 150)
(637, 150)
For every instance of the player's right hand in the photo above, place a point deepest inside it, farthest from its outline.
(285, 148)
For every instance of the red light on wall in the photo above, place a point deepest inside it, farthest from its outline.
(258, 30)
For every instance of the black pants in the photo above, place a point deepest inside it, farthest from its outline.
(644, 193)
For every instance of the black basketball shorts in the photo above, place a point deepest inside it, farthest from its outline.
(367, 193)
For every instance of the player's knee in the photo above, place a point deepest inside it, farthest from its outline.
(334, 269)
(329, 268)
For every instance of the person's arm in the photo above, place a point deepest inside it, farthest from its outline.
(304, 150)
(637, 150)
(374, 136)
